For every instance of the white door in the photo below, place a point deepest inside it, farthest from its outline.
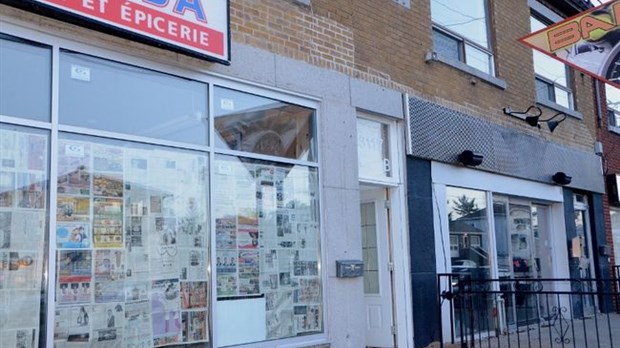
(377, 271)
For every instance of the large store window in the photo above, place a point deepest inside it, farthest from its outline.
(132, 254)
(23, 226)
(460, 32)
(267, 248)
(154, 231)
(469, 232)
(552, 78)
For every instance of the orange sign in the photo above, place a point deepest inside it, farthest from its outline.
(589, 41)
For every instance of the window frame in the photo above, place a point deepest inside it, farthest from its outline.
(613, 113)
(552, 85)
(463, 41)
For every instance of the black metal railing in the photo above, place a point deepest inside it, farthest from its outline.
(511, 312)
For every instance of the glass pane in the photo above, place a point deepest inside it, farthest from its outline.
(468, 224)
(447, 46)
(613, 97)
(373, 149)
(546, 66)
(562, 97)
(246, 122)
(544, 90)
(550, 68)
(466, 18)
(23, 225)
(504, 262)
(267, 240)
(25, 79)
(369, 249)
(521, 241)
(110, 96)
(615, 228)
(478, 59)
(468, 227)
(132, 245)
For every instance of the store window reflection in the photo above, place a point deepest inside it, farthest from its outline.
(468, 224)
(469, 248)
(250, 123)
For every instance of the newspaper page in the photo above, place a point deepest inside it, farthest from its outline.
(74, 168)
(165, 312)
(108, 321)
(108, 222)
(72, 326)
(109, 276)
(137, 332)
(74, 276)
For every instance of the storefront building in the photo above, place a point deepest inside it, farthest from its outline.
(609, 135)
(492, 195)
(159, 195)
(154, 196)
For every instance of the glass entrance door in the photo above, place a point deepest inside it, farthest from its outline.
(520, 228)
(586, 266)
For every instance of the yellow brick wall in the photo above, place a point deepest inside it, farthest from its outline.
(385, 43)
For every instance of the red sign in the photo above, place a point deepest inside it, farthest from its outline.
(589, 41)
(199, 26)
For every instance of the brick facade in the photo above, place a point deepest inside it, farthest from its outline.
(385, 43)
(611, 165)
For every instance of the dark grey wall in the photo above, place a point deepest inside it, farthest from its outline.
(597, 237)
(601, 263)
(422, 252)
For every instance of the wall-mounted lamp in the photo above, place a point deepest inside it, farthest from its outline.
(533, 118)
(469, 158)
(534, 121)
(561, 178)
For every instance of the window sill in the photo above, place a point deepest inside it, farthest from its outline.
(614, 129)
(560, 108)
(434, 57)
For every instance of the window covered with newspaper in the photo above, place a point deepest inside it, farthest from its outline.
(132, 217)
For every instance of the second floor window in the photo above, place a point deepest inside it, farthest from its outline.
(613, 105)
(552, 83)
(460, 32)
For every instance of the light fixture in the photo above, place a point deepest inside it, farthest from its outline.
(551, 123)
(561, 178)
(508, 111)
(469, 158)
(533, 119)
